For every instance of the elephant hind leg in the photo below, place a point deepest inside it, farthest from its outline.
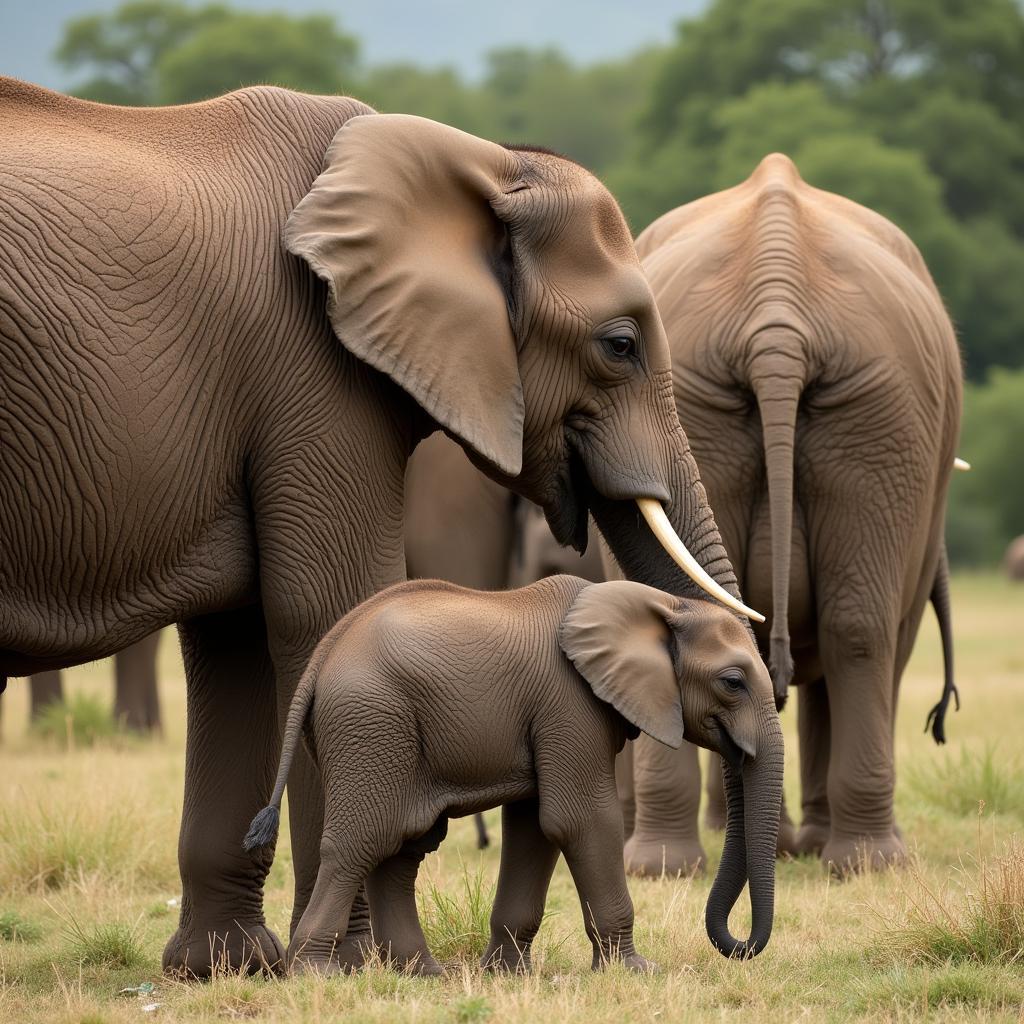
(815, 735)
(319, 944)
(528, 859)
(391, 886)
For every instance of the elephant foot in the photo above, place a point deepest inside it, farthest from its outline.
(631, 961)
(846, 855)
(422, 965)
(639, 964)
(647, 858)
(811, 838)
(328, 959)
(786, 844)
(233, 948)
(506, 958)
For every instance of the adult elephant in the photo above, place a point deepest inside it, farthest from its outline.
(223, 329)
(818, 379)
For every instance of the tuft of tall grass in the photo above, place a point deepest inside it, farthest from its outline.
(113, 945)
(457, 927)
(959, 783)
(79, 720)
(980, 919)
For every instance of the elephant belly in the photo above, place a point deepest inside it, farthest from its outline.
(459, 801)
(118, 601)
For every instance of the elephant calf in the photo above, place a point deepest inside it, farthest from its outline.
(431, 701)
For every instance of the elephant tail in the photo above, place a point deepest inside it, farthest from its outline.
(940, 602)
(778, 380)
(264, 828)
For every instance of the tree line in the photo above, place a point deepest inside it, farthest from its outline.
(912, 107)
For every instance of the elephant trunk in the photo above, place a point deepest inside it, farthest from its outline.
(777, 380)
(754, 802)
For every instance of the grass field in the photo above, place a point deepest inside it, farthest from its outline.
(87, 876)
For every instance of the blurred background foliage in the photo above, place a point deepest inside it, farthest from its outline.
(912, 107)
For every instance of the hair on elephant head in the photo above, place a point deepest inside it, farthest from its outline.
(672, 667)
(501, 290)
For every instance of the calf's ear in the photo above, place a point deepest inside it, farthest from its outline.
(617, 635)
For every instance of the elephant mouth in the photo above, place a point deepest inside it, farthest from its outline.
(730, 750)
(568, 517)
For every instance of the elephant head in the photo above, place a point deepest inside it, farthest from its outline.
(675, 667)
(500, 288)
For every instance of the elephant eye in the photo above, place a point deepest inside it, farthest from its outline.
(621, 347)
(733, 681)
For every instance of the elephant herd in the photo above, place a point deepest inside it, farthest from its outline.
(224, 330)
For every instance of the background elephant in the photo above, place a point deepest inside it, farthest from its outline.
(462, 526)
(136, 700)
(818, 379)
(1013, 560)
(431, 700)
(224, 328)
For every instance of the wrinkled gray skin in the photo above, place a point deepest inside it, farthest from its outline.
(223, 329)
(431, 701)
(817, 376)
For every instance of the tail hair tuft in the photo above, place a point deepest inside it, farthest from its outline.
(263, 830)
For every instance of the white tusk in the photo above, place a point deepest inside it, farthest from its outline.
(656, 519)
(962, 464)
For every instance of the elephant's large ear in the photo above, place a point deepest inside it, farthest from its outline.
(401, 224)
(617, 635)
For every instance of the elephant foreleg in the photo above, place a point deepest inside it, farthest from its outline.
(626, 789)
(815, 735)
(858, 664)
(714, 794)
(231, 753)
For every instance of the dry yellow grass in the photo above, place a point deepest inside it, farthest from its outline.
(87, 868)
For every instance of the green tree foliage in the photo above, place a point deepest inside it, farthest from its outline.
(913, 107)
(986, 506)
(164, 51)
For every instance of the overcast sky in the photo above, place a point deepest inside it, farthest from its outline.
(429, 32)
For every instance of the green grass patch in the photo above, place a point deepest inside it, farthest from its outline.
(114, 945)
(457, 926)
(959, 783)
(15, 928)
(79, 720)
(52, 845)
(978, 918)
